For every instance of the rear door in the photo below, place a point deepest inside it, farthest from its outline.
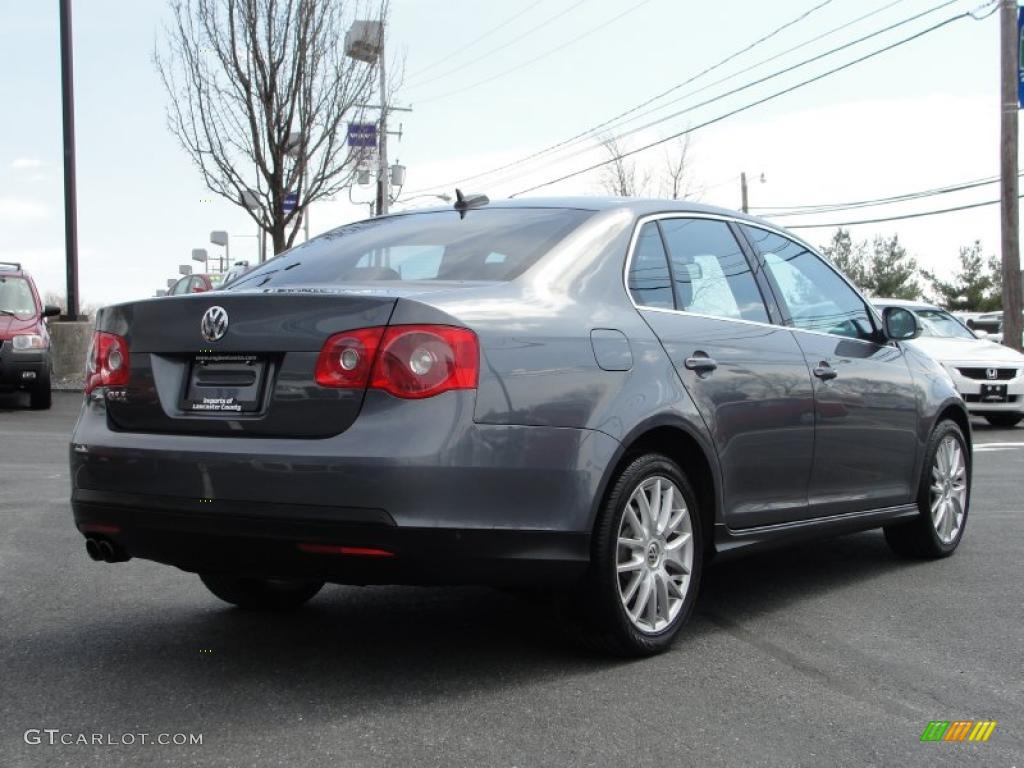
(865, 401)
(747, 377)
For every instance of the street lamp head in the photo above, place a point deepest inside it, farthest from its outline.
(219, 237)
(364, 40)
(184, 269)
(171, 281)
(251, 199)
(199, 254)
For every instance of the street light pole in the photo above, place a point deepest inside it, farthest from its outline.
(743, 192)
(1009, 201)
(383, 192)
(70, 191)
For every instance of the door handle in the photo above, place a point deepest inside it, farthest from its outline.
(700, 363)
(824, 371)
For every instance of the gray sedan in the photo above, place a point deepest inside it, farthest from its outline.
(594, 395)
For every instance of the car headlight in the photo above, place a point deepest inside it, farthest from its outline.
(28, 342)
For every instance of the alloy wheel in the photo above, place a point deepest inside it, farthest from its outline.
(948, 497)
(654, 557)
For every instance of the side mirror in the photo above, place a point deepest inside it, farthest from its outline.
(51, 310)
(900, 324)
(980, 333)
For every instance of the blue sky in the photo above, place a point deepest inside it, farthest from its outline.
(921, 116)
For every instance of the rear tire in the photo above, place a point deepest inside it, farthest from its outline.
(638, 556)
(260, 594)
(1004, 420)
(939, 527)
(40, 397)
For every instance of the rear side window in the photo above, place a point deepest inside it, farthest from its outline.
(495, 244)
(710, 272)
(649, 281)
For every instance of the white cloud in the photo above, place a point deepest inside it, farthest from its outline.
(14, 210)
(24, 163)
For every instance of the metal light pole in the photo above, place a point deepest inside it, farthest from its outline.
(383, 192)
(70, 194)
(1009, 202)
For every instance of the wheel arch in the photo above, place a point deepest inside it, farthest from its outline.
(675, 439)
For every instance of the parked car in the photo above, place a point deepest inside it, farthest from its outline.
(989, 376)
(198, 283)
(24, 340)
(594, 395)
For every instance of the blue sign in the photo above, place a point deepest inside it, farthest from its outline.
(362, 134)
(290, 201)
(1020, 57)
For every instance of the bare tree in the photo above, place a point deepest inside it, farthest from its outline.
(677, 178)
(259, 92)
(621, 177)
(624, 177)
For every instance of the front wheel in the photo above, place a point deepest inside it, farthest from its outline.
(1004, 420)
(646, 561)
(260, 594)
(943, 499)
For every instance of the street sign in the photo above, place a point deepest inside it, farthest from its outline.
(290, 201)
(362, 134)
(1020, 57)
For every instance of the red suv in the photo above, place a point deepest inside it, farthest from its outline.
(24, 340)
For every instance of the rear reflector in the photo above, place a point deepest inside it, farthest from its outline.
(410, 361)
(99, 528)
(337, 549)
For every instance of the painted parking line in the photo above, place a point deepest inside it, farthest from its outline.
(983, 447)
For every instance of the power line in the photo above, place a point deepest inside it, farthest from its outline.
(778, 212)
(759, 81)
(751, 105)
(895, 218)
(535, 59)
(590, 131)
(462, 67)
(484, 36)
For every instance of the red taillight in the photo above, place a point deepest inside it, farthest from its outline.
(107, 364)
(411, 361)
(346, 359)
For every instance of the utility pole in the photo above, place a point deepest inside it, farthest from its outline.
(70, 193)
(743, 192)
(1010, 203)
(383, 191)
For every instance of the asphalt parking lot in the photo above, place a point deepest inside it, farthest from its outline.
(835, 653)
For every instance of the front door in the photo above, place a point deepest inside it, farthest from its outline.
(747, 377)
(866, 408)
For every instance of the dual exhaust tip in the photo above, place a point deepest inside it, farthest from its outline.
(106, 551)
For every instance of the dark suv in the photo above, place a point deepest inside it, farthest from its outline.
(24, 340)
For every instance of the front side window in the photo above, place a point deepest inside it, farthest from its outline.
(816, 297)
(710, 272)
(649, 282)
(495, 244)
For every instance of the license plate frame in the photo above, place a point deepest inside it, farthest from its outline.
(219, 384)
(994, 393)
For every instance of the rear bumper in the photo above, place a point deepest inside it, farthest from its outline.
(21, 370)
(452, 500)
(346, 547)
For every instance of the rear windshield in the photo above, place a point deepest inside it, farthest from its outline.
(496, 244)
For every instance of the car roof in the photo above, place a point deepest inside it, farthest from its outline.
(11, 269)
(637, 206)
(912, 304)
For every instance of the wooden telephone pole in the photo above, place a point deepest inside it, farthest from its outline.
(1010, 202)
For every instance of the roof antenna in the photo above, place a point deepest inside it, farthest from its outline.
(464, 202)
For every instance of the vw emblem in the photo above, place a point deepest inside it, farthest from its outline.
(214, 324)
(991, 373)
